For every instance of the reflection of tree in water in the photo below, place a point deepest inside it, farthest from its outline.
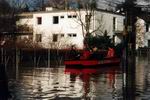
(93, 80)
(86, 85)
(39, 90)
(112, 83)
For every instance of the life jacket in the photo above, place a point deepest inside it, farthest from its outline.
(85, 54)
(110, 52)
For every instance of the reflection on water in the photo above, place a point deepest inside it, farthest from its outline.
(67, 83)
(143, 78)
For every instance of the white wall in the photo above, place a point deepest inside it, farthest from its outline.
(107, 22)
(68, 25)
(147, 37)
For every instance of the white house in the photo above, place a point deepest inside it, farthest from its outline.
(62, 28)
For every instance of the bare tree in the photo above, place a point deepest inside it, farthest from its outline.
(87, 25)
(4, 15)
(59, 4)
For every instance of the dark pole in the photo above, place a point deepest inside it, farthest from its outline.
(130, 44)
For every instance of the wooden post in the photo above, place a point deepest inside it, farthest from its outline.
(48, 58)
(2, 55)
(17, 56)
(131, 13)
(34, 58)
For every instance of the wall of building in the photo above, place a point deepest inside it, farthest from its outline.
(67, 30)
(147, 39)
(25, 19)
(111, 23)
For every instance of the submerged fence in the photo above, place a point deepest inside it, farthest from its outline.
(143, 51)
(32, 57)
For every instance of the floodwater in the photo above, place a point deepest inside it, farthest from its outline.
(143, 78)
(61, 83)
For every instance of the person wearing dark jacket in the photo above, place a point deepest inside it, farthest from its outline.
(74, 54)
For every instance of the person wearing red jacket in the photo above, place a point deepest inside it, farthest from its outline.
(110, 52)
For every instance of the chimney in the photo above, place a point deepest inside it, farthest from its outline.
(49, 9)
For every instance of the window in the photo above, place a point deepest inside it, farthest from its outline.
(114, 23)
(55, 37)
(148, 43)
(69, 16)
(88, 18)
(38, 37)
(61, 16)
(61, 35)
(124, 21)
(74, 16)
(39, 20)
(72, 35)
(69, 35)
(55, 19)
(147, 27)
(88, 21)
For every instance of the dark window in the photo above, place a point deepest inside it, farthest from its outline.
(148, 43)
(39, 20)
(61, 16)
(69, 16)
(38, 37)
(88, 18)
(74, 16)
(55, 19)
(55, 37)
(87, 21)
(74, 35)
(124, 21)
(69, 35)
(61, 35)
(114, 23)
(147, 27)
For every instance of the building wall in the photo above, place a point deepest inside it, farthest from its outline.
(147, 39)
(25, 19)
(65, 27)
(68, 30)
(111, 23)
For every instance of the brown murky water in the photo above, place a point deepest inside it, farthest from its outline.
(61, 83)
(67, 84)
(143, 78)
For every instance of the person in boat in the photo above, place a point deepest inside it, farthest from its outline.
(74, 53)
(85, 54)
(94, 54)
(110, 53)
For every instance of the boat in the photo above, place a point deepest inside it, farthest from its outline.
(93, 62)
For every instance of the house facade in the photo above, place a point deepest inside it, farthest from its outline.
(61, 29)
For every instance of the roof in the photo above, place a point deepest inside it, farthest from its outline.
(111, 12)
(26, 14)
(30, 14)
